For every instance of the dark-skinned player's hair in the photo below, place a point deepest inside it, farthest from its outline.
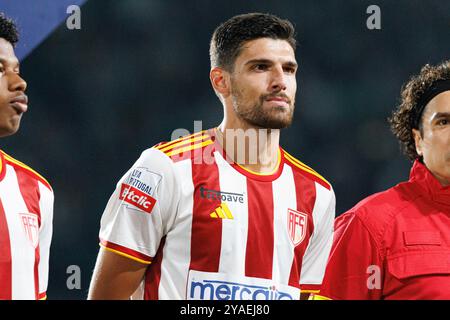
(8, 30)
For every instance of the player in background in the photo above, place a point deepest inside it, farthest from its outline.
(26, 198)
(197, 218)
(396, 244)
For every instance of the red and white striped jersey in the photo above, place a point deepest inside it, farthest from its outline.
(210, 229)
(26, 214)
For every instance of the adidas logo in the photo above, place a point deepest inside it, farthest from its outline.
(222, 212)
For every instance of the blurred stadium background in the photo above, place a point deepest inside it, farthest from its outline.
(138, 69)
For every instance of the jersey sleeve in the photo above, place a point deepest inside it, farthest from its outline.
(45, 237)
(316, 255)
(142, 208)
(355, 267)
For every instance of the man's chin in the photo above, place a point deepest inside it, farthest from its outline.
(273, 123)
(269, 119)
(278, 125)
(8, 130)
(278, 118)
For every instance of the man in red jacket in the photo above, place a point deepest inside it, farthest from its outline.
(396, 244)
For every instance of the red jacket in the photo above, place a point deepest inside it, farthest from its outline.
(394, 244)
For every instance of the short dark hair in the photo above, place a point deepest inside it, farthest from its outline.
(403, 119)
(228, 38)
(8, 30)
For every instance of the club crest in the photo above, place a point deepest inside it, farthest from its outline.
(30, 224)
(297, 224)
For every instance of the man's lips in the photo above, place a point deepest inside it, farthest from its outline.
(281, 100)
(20, 103)
(278, 99)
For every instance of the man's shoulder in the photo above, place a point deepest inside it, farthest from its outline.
(22, 167)
(377, 211)
(382, 203)
(164, 158)
(306, 171)
(186, 147)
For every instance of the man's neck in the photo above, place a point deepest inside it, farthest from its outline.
(444, 181)
(255, 149)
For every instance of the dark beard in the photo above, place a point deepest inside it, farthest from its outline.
(274, 118)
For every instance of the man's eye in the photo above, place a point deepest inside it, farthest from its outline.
(289, 70)
(260, 67)
(443, 122)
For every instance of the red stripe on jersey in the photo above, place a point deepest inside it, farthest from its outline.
(259, 251)
(5, 258)
(29, 189)
(206, 238)
(305, 191)
(42, 296)
(311, 287)
(153, 274)
(37, 259)
(126, 251)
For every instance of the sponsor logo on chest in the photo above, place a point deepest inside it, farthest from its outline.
(221, 195)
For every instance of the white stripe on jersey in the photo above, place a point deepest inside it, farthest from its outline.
(316, 255)
(22, 251)
(177, 249)
(284, 197)
(234, 232)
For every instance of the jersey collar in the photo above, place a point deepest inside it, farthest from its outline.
(421, 175)
(248, 173)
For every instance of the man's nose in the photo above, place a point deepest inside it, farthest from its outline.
(17, 83)
(278, 82)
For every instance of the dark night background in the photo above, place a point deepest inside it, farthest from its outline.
(138, 69)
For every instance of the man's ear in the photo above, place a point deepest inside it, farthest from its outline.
(220, 81)
(418, 141)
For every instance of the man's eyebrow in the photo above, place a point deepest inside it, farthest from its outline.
(267, 61)
(439, 115)
(10, 61)
(291, 64)
(258, 61)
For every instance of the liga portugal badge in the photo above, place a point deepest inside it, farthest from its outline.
(297, 223)
(31, 226)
